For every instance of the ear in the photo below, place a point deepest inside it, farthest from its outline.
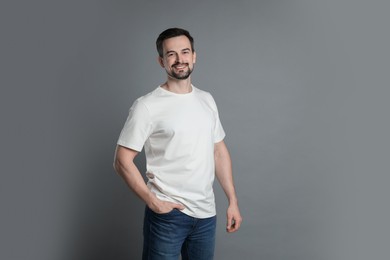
(160, 61)
(194, 58)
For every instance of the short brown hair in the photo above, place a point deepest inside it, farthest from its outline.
(170, 33)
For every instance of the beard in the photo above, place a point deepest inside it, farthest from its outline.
(180, 75)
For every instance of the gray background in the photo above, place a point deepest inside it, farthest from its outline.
(302, 88)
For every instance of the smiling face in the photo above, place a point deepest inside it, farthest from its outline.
(178, 57)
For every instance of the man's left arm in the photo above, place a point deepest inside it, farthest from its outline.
(223, 171)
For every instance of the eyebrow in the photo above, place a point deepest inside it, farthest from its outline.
(185, 49)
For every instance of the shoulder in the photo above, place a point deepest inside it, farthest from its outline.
(147, 99)
(203, 94)
(206, 97)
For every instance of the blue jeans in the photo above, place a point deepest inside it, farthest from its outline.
(168, 235)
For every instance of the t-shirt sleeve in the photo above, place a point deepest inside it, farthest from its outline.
(137, 127)
(219, 133)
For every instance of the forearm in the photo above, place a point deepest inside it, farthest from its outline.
(223, 171)
(125, 167)
(133, 178)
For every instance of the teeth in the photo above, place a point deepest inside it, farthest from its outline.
(180, 67)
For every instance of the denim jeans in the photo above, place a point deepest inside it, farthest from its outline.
(166, 236)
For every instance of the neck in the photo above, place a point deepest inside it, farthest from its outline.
(178, 86)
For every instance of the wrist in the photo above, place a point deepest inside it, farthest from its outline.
(151, 200)
(233, 201)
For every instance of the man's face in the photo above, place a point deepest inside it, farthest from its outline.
(178, 59)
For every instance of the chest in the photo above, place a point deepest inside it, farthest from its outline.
(186, 118)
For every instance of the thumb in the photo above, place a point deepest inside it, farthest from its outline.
(178, 206)
(229, 222)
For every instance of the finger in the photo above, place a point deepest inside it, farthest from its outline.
(235, 227)
(231, 228)
(229, 223)
(181, 207)
(178, 206)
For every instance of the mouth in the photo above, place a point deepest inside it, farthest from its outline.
(180, 66)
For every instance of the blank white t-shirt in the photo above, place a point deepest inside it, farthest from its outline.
(178, 132)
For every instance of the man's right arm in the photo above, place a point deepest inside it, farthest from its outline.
(125, 167)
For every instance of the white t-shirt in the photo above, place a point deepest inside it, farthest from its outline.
(178, 132)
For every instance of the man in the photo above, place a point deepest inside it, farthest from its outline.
(179, 127)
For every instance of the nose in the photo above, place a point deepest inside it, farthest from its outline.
(179, 58)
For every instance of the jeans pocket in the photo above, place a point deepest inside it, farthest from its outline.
(167, 213)
(171, 212)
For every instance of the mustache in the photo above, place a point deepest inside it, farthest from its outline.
(179, 64)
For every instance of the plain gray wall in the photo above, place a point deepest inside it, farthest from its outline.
(302, 88)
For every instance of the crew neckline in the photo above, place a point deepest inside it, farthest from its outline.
(177, 94)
